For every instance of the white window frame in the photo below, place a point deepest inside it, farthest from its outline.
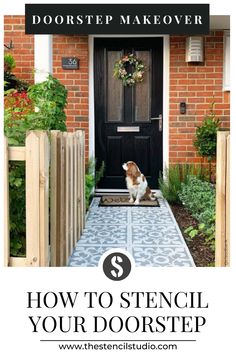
(226, 75)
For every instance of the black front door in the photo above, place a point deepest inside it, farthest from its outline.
(128, 119)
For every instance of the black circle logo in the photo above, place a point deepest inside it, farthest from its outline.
(117, 266)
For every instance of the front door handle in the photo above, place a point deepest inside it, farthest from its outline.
(159, 118)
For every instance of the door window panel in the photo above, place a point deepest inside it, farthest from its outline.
(143, 90)
(114, 89)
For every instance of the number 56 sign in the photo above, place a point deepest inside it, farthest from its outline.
(70, 63)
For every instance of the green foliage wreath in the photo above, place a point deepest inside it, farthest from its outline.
(128, 78)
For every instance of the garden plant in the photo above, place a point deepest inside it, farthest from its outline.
(40, 107)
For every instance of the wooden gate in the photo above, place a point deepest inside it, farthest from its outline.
(222, 253)
(67, 194)
(50, 236)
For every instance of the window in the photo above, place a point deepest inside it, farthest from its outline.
(226, 81)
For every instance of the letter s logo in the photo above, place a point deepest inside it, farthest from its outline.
(118, 269)
(117, 266)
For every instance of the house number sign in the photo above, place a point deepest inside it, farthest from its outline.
(70, 63)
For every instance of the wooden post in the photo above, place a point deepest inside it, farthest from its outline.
(67, 196)
(228, 204)
(83, 178)
(32, 199)
(44, 199)
(62, 192)
(79, 193)
(6, 206)
(15, 153)
(80, 134)
(54, 200)
(75, 196)
(71, 199)
(221, 169)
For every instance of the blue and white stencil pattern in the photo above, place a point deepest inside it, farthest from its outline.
(150, 234)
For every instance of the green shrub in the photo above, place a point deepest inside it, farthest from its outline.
(91, 179)
(10, 80)
(175, 175)
(198, 197)
(206, 134)
(170, 184)
(17, 207)
(19, 117)
(50, 98)
(9, 63)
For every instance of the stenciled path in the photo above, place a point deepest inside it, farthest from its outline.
(150, 234)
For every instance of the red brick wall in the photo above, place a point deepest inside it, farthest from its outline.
(76, 81)
(197, 85)
(23, 51)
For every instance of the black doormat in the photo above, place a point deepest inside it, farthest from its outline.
(123, 200)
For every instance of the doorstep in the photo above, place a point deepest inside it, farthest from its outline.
(151, 235)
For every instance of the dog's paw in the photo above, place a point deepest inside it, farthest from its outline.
(131, 200)
(136, 202)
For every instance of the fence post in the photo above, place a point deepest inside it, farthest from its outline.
(81, 136)
(228, 203)
(221, 173)
(54, 200)
(6, 206)
(32, 199)
(71, 192)
(75, 196)
(62, 192)
(79, 192)
(44, 199)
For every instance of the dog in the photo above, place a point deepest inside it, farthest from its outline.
(136, 183)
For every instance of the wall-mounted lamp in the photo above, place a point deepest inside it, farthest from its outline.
(194, 49)
(10, 46)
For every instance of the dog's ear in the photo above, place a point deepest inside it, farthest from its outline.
(134, 169)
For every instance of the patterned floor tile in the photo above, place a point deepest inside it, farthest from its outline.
(161, 257)
(151, 235)
(88, 256)
(159, 234)
(104, 234)
(111, 215)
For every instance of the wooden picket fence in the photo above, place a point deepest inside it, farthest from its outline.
(67, 197)
(222, 252)
(54, 170)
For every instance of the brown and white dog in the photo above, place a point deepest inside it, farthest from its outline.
(136, 183)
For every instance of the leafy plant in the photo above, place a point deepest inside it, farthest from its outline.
(91, 179)
(198, 197)
(9, 63)
(11, 81)
(170, 184)
(50, 98)
(19, 117)
(17, 207)
(17, 106)
(206, 136)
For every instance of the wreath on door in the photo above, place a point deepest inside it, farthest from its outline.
(127, 78)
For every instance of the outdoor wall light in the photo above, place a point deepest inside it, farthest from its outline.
(194, 49)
